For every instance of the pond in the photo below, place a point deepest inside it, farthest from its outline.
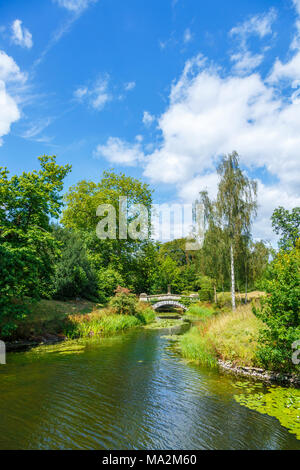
(131, 391)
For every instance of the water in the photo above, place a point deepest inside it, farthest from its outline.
(128, 392)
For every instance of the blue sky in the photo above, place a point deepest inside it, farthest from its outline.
(158, 89)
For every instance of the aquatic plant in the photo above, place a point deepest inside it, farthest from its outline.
(281, 403)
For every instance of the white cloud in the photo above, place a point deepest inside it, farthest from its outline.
(187, 36)
(129, 86)
(148, 119)
(10, 74)
(258, 25)
(21, 35)
(97, 95)
(289, 70)
(9, 70)
(211, 113)
(118, 151)
(75, 6)
(245, 61)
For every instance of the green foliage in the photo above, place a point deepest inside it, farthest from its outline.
(206, 292)
(108, 281)
(167, 273)
(287, 224)
(146, 316)
(26, 245)
(124, 303)
(281, 311)
(129, 261)
(73, 274)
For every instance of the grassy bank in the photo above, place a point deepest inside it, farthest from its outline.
(74, 319)
(104, 323)
(229, 336)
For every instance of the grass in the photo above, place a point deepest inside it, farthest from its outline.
(234, 336)
(197, 348)
(230, 336)
(202, 312)
(104, 323)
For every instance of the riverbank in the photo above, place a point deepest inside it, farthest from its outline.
(228, 340)
(50, 322)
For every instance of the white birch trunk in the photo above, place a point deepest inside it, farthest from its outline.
(232, 278)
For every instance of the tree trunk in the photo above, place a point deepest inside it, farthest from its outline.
(215, 292)
(232, 278)
(246, 287)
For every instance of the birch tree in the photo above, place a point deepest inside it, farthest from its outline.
(236, 206)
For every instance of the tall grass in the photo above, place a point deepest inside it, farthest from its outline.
(231, 336)
(235, 335)
(104, 323)
(201, 312)
(197, 347)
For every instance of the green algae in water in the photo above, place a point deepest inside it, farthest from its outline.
(281, 403)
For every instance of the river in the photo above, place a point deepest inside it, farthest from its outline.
(131, 391)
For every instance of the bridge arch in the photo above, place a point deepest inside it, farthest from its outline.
(172, 303)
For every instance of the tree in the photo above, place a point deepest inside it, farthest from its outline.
(280, 311)
(26, 243)
(122, 255)
(236, 205)
(73, 274)
(287, 224)
(233, 210)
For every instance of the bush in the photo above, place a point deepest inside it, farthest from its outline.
(124, 303)
(280, 312)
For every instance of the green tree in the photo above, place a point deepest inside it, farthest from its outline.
(27, 246)
(233, 209)
(121, 255)
(280, 311)
(287, 224)
(73, 274)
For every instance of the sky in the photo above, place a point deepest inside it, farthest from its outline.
(157, 89)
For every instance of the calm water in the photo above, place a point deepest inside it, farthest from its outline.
(126, 392)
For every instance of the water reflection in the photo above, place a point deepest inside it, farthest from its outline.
(126, 392)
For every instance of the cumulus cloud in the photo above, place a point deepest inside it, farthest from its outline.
(21, 35)
(290, 70)
(9, 110)
(118, 151)
(212, 112)
(96, 95)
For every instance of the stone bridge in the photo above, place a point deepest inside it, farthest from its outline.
(163, 300)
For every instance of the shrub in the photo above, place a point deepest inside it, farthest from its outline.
(124, 303)
(280, 312)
